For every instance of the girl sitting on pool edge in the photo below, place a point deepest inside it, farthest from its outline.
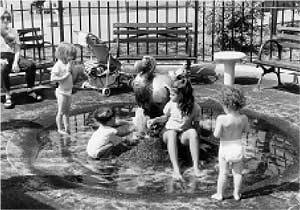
(108, 140)
(182, 115)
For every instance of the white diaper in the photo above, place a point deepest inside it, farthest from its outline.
(63, 92)
(231, 151)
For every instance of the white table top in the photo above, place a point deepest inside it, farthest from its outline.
(229, 56)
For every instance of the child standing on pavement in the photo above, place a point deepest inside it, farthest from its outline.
(181, 115)
(230, 128)
(106, 140)
(62, 73)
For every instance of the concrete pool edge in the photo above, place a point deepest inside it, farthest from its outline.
(47, 121)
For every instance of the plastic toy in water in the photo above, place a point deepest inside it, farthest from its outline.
(105, 72)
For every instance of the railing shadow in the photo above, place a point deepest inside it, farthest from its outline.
(289, 87)
(268, 189)
(17, 124)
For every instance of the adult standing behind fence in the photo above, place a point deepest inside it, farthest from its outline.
(11, 61)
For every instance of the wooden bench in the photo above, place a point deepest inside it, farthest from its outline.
(33, 47)
(270, 53)
(146, 39)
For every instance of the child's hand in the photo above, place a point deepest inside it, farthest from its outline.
(150, 122)
(3, 62)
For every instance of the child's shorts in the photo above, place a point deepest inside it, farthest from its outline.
(164, 130)
(231, 151)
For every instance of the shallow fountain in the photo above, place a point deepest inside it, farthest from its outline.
(272, 156)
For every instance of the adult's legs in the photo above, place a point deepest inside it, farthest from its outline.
(170, 138)
(5, 80)
(190, 137)
(29, 68)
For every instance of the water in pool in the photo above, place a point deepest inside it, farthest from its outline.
(268, 154)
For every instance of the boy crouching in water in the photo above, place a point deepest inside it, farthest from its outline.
(230, 128)
(106, 140)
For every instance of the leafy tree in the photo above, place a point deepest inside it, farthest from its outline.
(235, 24)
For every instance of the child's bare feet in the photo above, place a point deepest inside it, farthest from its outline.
(217, 197)
(237, 196)
(177, 176)
(197, 172)
(62, 132)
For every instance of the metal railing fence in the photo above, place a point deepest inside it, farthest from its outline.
(218, 25)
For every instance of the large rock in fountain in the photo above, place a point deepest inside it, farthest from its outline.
(148, 152)
(151, 94)
(150, 88)
(150, 149)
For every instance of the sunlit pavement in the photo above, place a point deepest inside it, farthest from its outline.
(19, 190)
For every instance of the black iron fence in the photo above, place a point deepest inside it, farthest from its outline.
(217, 25)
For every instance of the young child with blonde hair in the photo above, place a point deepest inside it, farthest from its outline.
(230, 128)
(62, 73)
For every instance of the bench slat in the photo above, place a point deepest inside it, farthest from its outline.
(44, 64)
(288, 29)
(158, 57)
(280, 64)
(31, 38)
(151, 25)
(154, 33)
(153, 39)
(172, 31)
(289, 37)
(27, 30)
(292, 45)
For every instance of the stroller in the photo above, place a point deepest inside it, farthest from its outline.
(105, 72)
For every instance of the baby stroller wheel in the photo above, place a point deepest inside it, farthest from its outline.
(106, 91)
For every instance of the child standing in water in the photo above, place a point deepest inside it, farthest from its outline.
(229, 128)
(62, 73)
(181, 115)
(106, 140)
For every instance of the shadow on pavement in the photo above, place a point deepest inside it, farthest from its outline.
(12, 199)
(16, 124)
(289, 87)
(20, 97)
(266, 190)
(15, 196)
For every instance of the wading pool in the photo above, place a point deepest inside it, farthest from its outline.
(271, 154)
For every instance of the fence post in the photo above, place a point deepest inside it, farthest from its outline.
(273, 18)
(61, 19)
(196, 29)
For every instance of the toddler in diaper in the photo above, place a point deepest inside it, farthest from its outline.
(230, 128)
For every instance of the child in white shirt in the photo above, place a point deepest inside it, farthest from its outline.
(108, 135)
(181, 115)
(229, 128)
(62, 73)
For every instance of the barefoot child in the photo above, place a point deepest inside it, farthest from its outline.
(229, 128)
(181, 115)
(62, 73)
(109, 134)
